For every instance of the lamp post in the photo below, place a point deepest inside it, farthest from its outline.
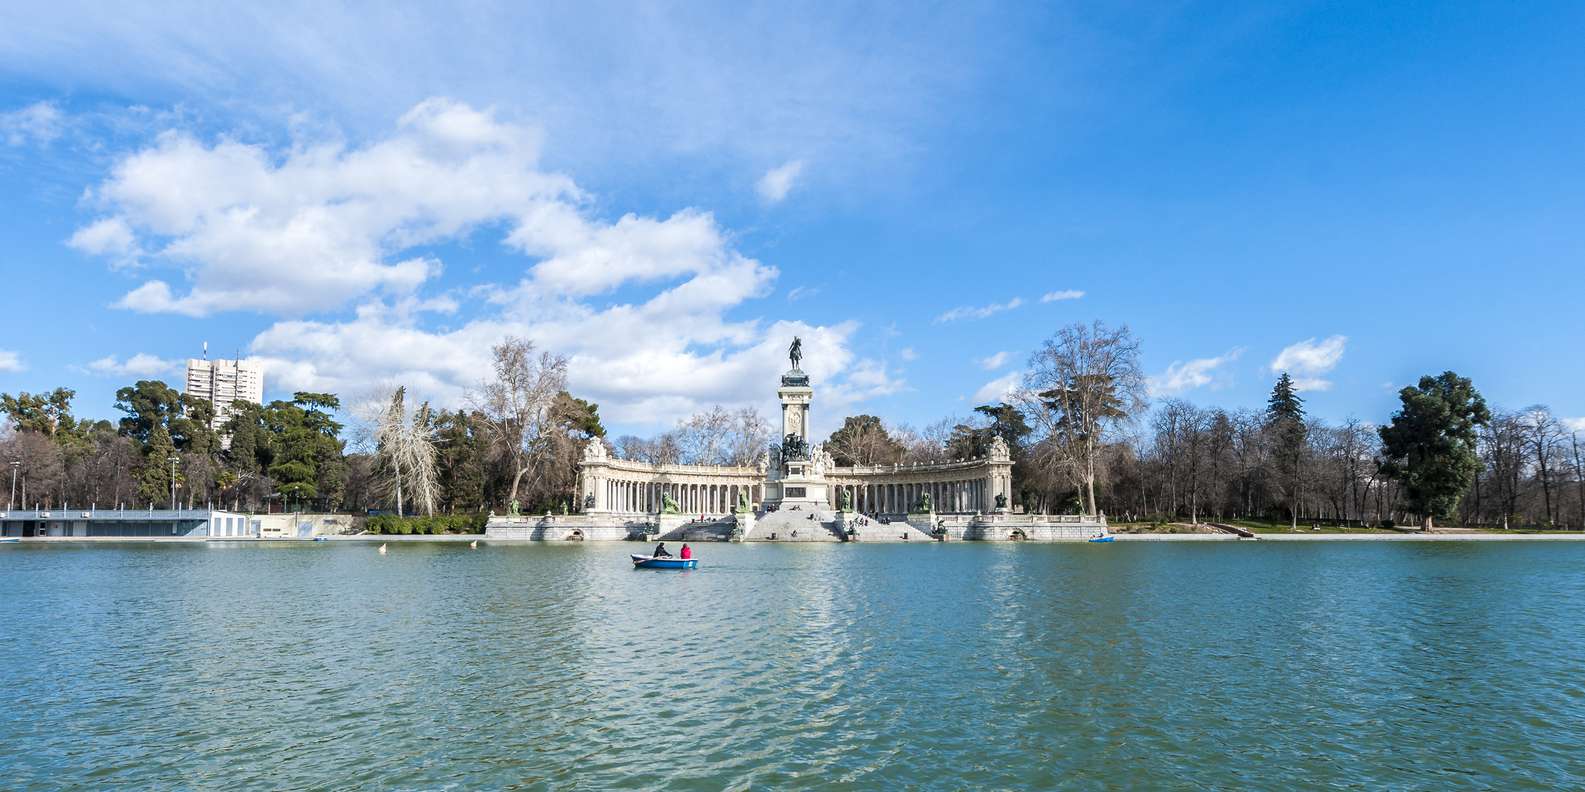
(173, 459)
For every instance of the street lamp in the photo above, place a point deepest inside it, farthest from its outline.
(173, 459)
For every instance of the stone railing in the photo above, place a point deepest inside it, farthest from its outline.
(650, 469)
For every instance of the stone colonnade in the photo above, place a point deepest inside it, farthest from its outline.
(625, 487)
(956, 495)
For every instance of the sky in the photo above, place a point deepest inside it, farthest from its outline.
(361, 196)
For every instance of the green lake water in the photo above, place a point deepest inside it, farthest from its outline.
(1164, 665)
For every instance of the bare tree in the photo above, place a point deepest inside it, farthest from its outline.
(1579, 474)
(1082, 385)
(719, 436)
(405, 453)
(1544, 439)
(516, 405)
(1502, 451)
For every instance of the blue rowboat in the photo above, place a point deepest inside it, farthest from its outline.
(651, 562)
(1101, 539)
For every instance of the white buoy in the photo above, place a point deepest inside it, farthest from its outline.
(382, 549)
(474, 544)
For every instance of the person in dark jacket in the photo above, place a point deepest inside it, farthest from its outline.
(660, 551)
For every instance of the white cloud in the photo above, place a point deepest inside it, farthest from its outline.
(1309, 359)
(639, 367)
(994, 361)
(907, 354)
(800, 292)
(1575, 424)
(139, 365)
(10, 361)
(311, 228)
(110, 237)
(1182, 376)
(39, 122)
(1065, 294)
(664, 347)
(778, 181)
(997, 390)
(979, 312)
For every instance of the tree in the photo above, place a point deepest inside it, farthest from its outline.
(719, 436)
(1544, 438)
(516, 405)
(147, 404)
(305, 451)
(459, 464)
(1579, 474)
(1429, 446)
(405, 453)
(1181, 442)
(45, 413)
(863, 440)
(1083, 384)
(1285, 425)
(154, 483)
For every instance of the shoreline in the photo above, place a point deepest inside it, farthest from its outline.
(1118, 537)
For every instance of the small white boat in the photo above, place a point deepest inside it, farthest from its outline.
(9, 540)
(382, 549)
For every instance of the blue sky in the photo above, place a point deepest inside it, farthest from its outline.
(1359, 193)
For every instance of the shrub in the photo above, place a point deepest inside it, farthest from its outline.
(438, 524)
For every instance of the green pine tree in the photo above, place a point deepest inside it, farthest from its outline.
(154, 480)
(1429, 446)
(1285, 426)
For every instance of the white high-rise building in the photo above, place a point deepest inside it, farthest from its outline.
(221, 382)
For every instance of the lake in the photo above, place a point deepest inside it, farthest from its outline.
(1227, 665)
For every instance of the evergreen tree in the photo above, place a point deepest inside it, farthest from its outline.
(305, 453)
(147, 404)
(1285, 425)
(45, 413)
(1429, 446)
(154, 482)
(460, 462)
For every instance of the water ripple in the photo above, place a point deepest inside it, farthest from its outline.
(1405, 666)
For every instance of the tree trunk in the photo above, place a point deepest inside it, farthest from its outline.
(1426, 525)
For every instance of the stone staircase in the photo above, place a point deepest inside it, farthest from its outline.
(796, 526)
(871, 530)
(714, 529)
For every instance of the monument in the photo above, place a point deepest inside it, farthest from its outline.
(796, 491)
(796, 478)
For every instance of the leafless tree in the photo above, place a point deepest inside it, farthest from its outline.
(1544, 439)
(1083, 384)
(719, 436)
(405, 453)
(1578, 456)
(516, 405)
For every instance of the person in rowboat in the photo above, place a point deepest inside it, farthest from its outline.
(660, 551)
(687, 552)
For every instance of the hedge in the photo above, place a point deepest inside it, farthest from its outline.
(438, 524)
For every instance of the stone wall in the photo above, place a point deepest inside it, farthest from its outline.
(566, 528)
(825, 527)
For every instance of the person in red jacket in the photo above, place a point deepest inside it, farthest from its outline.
(687, 552)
